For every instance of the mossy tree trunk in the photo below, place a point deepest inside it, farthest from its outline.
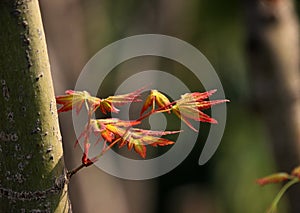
(31, 158)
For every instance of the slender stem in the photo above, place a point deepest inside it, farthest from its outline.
(159, 110)
(77, 169)
(89, 114)
(74, 171)
(94, 159)
(280, 194)
(105, 150)
(153, 105)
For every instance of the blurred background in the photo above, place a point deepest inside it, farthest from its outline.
(253, 46)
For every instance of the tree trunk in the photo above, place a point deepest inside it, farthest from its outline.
(31, 162)
(273, 50)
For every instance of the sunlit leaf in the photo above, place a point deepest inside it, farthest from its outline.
(115, 129)
(155, 97)
(109, 104)
(76, 99)
(138, 146)
(190, 106)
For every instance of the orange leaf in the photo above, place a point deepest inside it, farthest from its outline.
(296, 172)
(112, 129)
(156, 97)
(274, 178)
(139, 148)
(108, 104)
(139, 138)
(75, 99)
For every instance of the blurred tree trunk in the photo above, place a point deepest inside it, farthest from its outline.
(273, 50)
(31, 157)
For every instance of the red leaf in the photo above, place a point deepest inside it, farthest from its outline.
(85, 160)
(274, 178)
(199, 96)
(296, 172)
(108, 104)
(190, 106)
(114, 129)
(208, 104)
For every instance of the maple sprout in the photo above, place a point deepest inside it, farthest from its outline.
(115, 132)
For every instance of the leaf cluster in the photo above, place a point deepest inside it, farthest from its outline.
(113, 131)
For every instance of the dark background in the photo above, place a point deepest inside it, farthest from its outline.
(76, 30)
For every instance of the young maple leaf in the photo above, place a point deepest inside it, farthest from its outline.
(191, 104)
(274, 178)
(108, 104)
(99, 127)
(115, 129)
(296, 172)
(75, 99)
(147, 137)
(139, 138)
(291, 179)
(156, 97)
